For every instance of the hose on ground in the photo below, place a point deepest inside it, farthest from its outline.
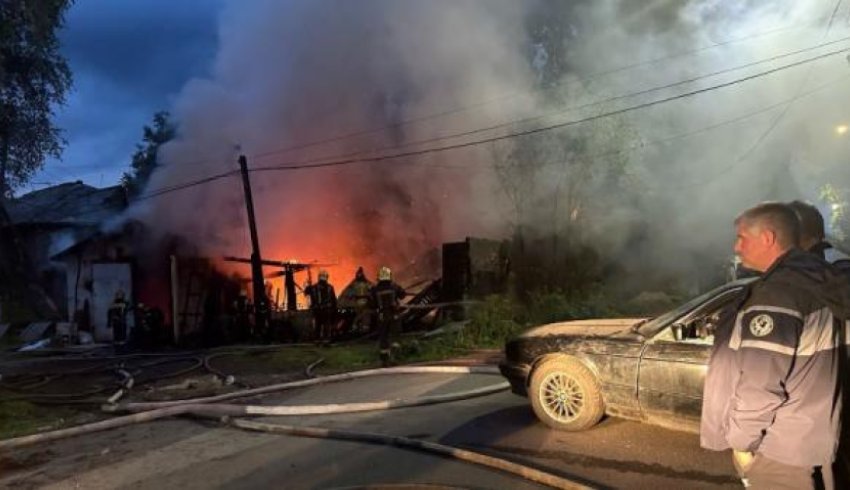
(309, 370)
(140, 406)
(219, 410)
(401, 486)
(335, 408)
(25, 384)
(526, 472)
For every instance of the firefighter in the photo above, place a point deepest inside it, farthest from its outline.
(360, 287)
(384, 298)
(117, 317)
(242, 315)
(323, 305)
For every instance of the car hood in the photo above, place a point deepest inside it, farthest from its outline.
(582, 328)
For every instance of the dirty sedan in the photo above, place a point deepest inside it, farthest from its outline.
(650, 370)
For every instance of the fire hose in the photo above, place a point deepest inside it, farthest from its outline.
(526, 472)
(129, 376)
(205, 408)
(140, 406)
(143, 412)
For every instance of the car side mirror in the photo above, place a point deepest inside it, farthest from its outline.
(678, 331)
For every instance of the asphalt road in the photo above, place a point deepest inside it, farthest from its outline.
(203, 454)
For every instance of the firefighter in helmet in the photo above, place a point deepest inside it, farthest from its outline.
(323, 305)
(384, 298)
(361, 287)
(117, 317)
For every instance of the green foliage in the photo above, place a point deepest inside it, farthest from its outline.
(337, 358)
(498, 318)
(145, 160)
(491, 322)
(555, 306)
(34, 78)
(837, 201)
(18, 417)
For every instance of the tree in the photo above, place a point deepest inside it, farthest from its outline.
(34, 79)
(567, 186)
(145, 160)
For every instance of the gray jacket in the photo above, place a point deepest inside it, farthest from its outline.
(773, 384)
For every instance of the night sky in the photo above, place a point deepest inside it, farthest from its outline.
(129, 59)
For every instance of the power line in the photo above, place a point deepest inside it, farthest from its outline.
(501, 98)
(642, 145)
(381, 158)
(186, 185)
(625, 110)
(773, 125)
(568, 109)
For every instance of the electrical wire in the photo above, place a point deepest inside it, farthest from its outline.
(770, 128)
(502, 98)
(322, 164)
(553, 113)
(287, 167)
(587, 105)
(381, 158)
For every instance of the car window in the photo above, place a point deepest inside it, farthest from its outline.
(693, 307)
(697, 326)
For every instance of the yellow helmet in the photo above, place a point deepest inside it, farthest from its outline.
(385, 274)
(323, 275)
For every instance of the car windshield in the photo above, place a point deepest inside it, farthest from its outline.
(652, 326)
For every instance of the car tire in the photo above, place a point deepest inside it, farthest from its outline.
(566, 395)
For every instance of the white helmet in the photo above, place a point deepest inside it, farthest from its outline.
(385, 274)
(323, 275)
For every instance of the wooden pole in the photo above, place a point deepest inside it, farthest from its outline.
(260, 300)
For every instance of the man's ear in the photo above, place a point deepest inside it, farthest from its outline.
(767, 237)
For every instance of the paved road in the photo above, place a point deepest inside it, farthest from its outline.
(193, 454)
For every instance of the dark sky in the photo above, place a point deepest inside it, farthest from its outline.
(129, 58)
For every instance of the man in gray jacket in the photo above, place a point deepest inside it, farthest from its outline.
(772, 392)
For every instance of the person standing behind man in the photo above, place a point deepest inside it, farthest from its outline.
(384, 298)
(323, 304)
(813, 240)
(773, 390)
(813, 236)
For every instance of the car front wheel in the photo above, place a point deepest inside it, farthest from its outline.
(565, 394)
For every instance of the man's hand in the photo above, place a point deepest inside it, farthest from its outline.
(744, 459)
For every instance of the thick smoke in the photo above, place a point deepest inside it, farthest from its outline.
(296, 72)
(671, 212)
(292, 73)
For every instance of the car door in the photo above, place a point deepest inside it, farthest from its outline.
(673, 364)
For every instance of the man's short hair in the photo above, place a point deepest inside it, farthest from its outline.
(811, 221)
(775, 216)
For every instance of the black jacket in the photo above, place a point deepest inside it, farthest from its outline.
(385, 296)
(322, 296)
(773, 384)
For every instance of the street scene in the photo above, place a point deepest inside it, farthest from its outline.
(202, 454)
(436, 244)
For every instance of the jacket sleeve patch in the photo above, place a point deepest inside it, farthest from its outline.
(763, 327)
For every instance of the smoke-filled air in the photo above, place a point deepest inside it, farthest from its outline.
(600, 136)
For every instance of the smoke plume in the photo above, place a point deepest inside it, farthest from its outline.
(311, 81)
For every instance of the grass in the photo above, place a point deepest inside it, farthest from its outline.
(337, 358)
(492, 322)
(19, 417)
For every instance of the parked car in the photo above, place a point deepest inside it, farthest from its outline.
(650, 370)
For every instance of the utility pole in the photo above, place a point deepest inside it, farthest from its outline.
(260, 301)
